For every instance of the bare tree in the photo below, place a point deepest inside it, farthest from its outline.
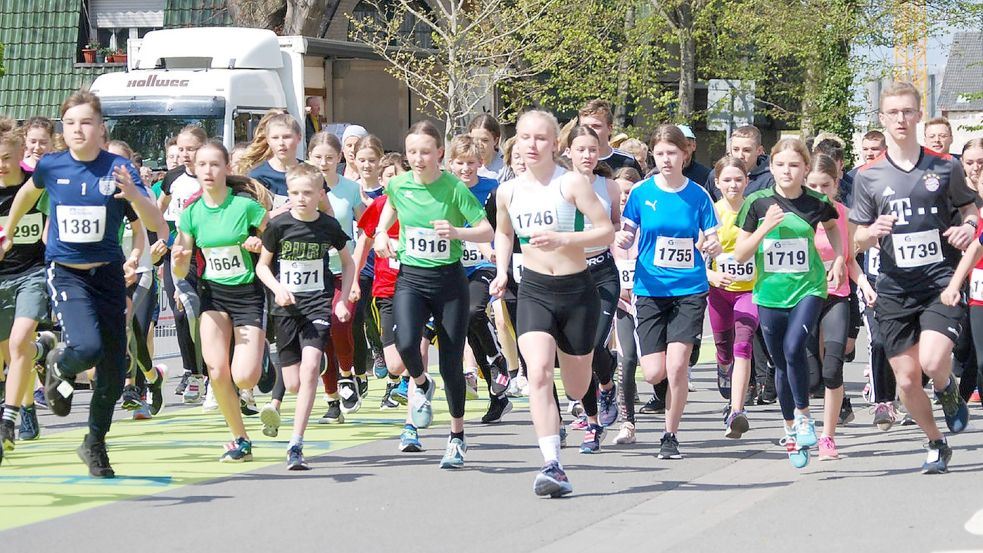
(452, 53)
(261, 14)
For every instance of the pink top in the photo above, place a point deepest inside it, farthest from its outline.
(828, 255)
(625, 259)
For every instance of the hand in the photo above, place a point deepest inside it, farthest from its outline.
(882, 226)
(498, 284)
(773, 217)
(177, 301)
(157, 251)
(835, 274)
(720, 279)
(283, 297)
(444, 229)
(342, 311)
(623, 239)
(180, 255)
(253, 244)
(356, 293)
(382, 246)
(870, 296)
(124, 182)
(711, 247)
(130, 271)
(960, 237)
(951, 296)
(548, 240)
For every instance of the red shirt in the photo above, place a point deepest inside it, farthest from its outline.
(384, 285)
(976, 277)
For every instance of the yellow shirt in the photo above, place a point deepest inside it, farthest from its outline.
(727, 233)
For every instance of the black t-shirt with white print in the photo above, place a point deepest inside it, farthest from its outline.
(915, 259)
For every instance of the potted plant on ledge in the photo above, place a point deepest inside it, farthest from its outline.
(120, 55)
(89, 53)
(104, 54)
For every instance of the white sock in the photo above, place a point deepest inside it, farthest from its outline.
(549, 446)
(296, 440)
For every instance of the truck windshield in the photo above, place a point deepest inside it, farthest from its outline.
(147, 134)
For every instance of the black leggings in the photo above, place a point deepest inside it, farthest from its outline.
(834, 326)
(481, 333)
(144, 296)
(368, 343)
(787, 333)
(441, 292)
(881, 374)
(625, 327)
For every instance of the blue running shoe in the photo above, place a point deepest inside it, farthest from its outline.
(798, 457)
(454, 455)
(805, 432)
(552, 481)
(295, 459)
(939, 455)
(409, 440)
(953, 407)
(402, 391)
(237, 451)
(563, 435)
(29, 427)
(592, 439)
(421, 408)
(39, 399)
(380, 372)
(723, 379)
(607, 408)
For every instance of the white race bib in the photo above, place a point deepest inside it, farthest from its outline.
(470, 254)
(279, 201)
(175, 207)
(302, 276)
(976, 285)
(517, 267)
(674, 253)
(742, 272)
(394, 261)
(915, 249)
(28, 230)
(788, 255)
(81, 224)
(224, 262)
(527, 222)
(874, 261)
(626, 272)
(423, 243)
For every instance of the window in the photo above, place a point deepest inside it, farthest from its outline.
(418, 33)
(113, 22)
(244, 125)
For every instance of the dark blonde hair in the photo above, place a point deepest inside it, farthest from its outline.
(578, 131)
(324, 138)
(122, 145)
(728, 161)
(258, 151)
(393, 159)
(825, 164)
(793, 144)
(601, 109)
(238, 183)
(8, 133)
(195, 131)
(900, 88)
(973, 143)
(463, 145)
(667, 132)
(80, 98)
(747, 131)
(421, 127)
(370, 142)
(487, 122)
(38, 122)
(306, 171)
(628, 173)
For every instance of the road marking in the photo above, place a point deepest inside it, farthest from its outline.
(975, 523)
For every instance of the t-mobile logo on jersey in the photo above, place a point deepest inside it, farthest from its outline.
(901, 209)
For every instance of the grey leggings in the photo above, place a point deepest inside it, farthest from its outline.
(625, 327)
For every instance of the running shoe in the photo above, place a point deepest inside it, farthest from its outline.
(953, 407)
(592, 439)
(39, 398)
(247, 403)
(421, 410)
(295, 459)
(183, 384)
(626, 435)
(552, 481)
(723, 379)
(805, 431)
(350, 400)
(846, 412)
(130, 400)
(379, 360)
(380, 371)
(401, 391)
(7, 435)
(237, 451)
(58, 388)
(563, 435)
(44, 343)
(884, 416)
(270, 417)
(798, 457)
(3, 393)
(142, 413)
(574, 408)
(192, 392)
(93, 453)
(210, 403)
(939, 455)
(737, 424)
(471, 383)
(607, 406)
(499, 377)
(387, 399)
(363, 386)
(669, 447)
(579, 423)
(766, 395)
(974, 397)
(654, 406)
(333, 415)
(827, 449)
(497, 408)
(267, 375)
(409, 440)
(29, 427)
(156, 390)
(523, 385)
(454, 454)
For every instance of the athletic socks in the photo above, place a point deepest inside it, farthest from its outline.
(425, 386)
(10, 413)
(549, 446)
(458, 435)
(296, 440)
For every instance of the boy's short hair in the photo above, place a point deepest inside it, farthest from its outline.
(939, 121)
(305, 171)
(463, 145)
(875, 135)
(597, 108)
(900, 88)
(747, 131)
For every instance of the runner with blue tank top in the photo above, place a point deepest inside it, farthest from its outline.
(558, 305)
(90, 191)
(600, 409)
(673, 219)
(464, 157)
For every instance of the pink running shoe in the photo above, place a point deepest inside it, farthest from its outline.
(827, 449)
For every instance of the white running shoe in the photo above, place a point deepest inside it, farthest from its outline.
(192, 392)
(209, 404)
(270, 418)
(247, 403)
(626, 435)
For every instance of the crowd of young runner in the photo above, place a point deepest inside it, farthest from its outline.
(292, 271)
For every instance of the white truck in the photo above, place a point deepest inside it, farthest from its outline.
(222, 78)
